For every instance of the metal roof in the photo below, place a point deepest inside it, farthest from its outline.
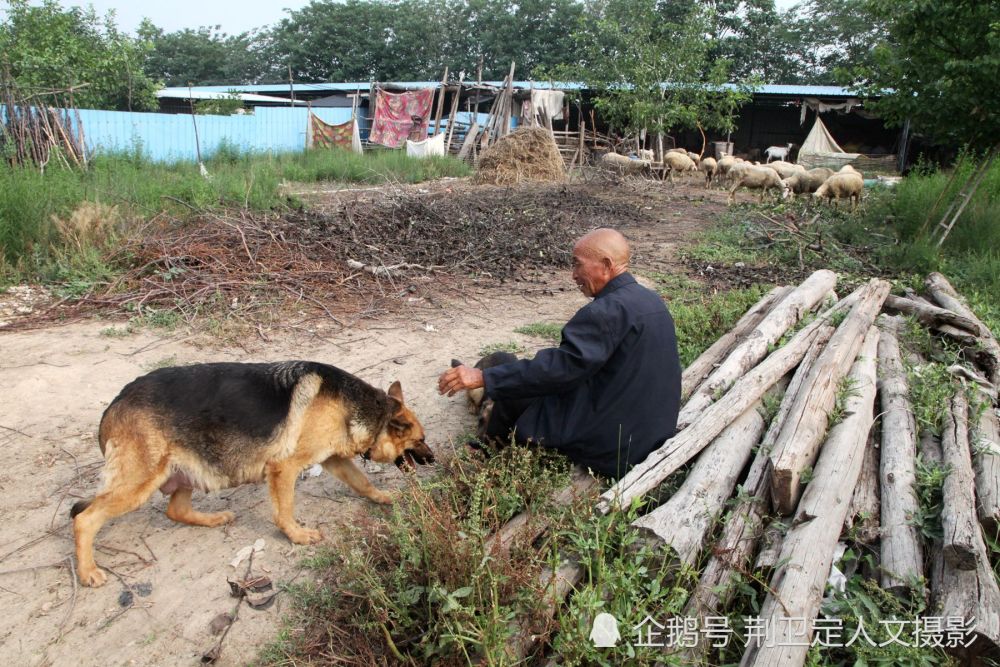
(202, 94)
(768, 89)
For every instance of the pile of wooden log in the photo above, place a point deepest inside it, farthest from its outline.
(817, 470)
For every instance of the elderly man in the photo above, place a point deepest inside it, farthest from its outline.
(610, 393)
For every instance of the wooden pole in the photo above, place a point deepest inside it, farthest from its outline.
(440, 102)
(947, 297)
(986, 464)
(454, 110)
(958, 509)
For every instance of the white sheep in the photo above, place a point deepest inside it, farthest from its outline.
(683, 151)
(694, 157)
(645, 154)
(751, 176)
(726, 163)
(778, 152)
(709, 167)
(679, 163)
(805, 182)
(785, 169)
(848, 169)
(842, 184)
(625, 165)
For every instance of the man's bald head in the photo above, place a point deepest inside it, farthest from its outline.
(606, 243)
(599, 257)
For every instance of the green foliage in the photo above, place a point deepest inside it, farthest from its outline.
(846, 388)
(48, 48)
(649, 68)
(929, 486)
(204, 56)
(421, 581)
(224, 106)
(829, 37)
(511, 346)
(703, 319)
(937, 68)
(545, 330)
(931, 388)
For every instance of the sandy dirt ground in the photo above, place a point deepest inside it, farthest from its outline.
(169, 580)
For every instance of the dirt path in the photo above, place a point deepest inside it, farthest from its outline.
(57, 381)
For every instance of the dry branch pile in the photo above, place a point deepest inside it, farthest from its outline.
(362, 254)
(814, 468)
(32, 133)
(528, 154)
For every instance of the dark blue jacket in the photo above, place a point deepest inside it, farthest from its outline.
(610, 393)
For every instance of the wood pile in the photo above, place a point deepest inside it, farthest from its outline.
(34, 134)
(837, 461)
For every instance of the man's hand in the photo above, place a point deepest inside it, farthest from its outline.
(456, 379)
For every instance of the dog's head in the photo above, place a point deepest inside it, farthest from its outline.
(402, 440)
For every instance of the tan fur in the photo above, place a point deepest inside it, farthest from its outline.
(140, 457)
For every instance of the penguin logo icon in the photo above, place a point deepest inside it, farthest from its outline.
(605, 631)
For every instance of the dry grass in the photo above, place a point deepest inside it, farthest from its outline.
(528, 154)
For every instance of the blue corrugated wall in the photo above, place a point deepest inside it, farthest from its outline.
(170, 137)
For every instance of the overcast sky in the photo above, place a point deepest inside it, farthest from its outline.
(235, 16)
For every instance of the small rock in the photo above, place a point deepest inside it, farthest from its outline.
(739, 265)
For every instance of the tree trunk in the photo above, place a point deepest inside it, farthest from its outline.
(755, 346)
(958, 509)
(798, 443)
(947, 297)
(678, 450)
(701, 367)
(986, 464)
(902, 552)
(807, 550)
(863, 515)
(929, 315)
(683, 522)
(732, 554)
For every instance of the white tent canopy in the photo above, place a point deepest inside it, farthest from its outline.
(821, 150)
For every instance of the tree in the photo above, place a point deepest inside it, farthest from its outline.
(46, 48)
(651, 71)
(205, 56)
(937, 67)
(829, 37)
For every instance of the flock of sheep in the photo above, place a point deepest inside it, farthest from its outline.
(784, 177)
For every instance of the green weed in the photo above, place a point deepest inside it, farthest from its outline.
(505, 346)
(548, 331)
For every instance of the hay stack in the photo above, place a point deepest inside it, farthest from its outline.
(528, 154)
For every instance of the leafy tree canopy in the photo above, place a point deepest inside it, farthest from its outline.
(205, 56)
(47, 48)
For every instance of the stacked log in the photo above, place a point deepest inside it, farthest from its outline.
(752, 482)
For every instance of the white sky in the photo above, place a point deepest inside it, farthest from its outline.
(235, 16)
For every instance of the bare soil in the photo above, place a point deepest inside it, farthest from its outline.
(168, 580)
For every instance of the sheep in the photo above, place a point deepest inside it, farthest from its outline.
(843, 184)
(678, 150)
(694, 158)
(751, 176)
(679, 163)
(709, 167)
(625, 165)
(778, 152)
(726, 163)
(805, 182)
(784, 169)
(645, 154)
(848, 169)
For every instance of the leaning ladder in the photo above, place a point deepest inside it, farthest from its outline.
(962, 199)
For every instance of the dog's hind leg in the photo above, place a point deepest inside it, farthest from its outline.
(348, 473)
(281, 476)
(179, 509)
(119, 497)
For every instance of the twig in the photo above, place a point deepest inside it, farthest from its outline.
(72, 603)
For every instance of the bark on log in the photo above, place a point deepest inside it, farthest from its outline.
(703, 366)
(807, 550)
(798, 444)
(684, 521)
(986, 465)
(929, 315)
(863, 515)
(770, 546)
(901, 548)
(678, 450)
(958, 509)
(947, 297)
(754, 347)
(733, 552)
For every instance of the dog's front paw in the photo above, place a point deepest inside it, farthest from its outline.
(305, 536)
(381, 497)
(94, 578)
(220, 519)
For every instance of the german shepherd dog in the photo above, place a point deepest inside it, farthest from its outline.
(214, 426)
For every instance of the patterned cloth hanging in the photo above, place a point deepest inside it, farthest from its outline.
(325, 135)
(402, 116)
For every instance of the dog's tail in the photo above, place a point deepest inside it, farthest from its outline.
(79, 507)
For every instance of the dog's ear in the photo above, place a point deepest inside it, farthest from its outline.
(396, 391)
(455, 363)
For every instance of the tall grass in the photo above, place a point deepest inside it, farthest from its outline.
(30, 201)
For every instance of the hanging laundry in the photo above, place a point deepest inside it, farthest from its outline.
(401, 116)
(427, 147)
(325, 135)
